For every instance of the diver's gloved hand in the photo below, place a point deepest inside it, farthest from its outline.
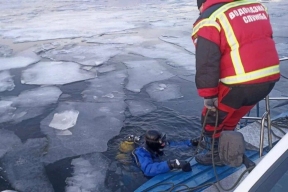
(211, 103)
(194, 142)
(179, 164)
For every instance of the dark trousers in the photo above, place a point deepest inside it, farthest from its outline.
(234, 102)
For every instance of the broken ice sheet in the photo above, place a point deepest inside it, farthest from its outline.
(86, 55)
(282, 49)
(5, 107)
(9, 191)
(138, 108)
(8, 140)
(180, 38)
(105, 69)
(106, 88)
(89, 173)
(97, 123)
(28, 104)
(64, 120)
(55, 73)
(41, 96)
(109, 39)
(65, 132)
(5, 51)
(174, 56)
(164, 92)
(6, 81)
(24, 169)
(83, 24)
(45, 47)
(22, 59)
(87, 68)
(163, 23)
(144, 72)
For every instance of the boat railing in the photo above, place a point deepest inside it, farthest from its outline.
(266, 117)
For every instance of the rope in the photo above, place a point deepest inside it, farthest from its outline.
(284, 76)
(213, 162)
(276, 127)
(200, 139)
(173, 187)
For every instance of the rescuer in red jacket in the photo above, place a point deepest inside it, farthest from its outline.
(237, 64)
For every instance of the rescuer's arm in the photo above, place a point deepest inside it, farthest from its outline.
(208, 58)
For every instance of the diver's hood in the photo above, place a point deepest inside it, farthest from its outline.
(155, 152)
(155, 141)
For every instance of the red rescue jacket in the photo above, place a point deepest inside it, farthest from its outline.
(234, 46)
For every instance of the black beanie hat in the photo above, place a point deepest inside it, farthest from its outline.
(200, 2)
(153, 140)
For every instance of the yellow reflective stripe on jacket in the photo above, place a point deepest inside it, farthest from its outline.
(205, 22)
(240, 76)
(228, 6)
(233, 44)
(229, 33)
(211, 21)
(251, 75)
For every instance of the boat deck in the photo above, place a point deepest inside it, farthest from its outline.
(178, 180)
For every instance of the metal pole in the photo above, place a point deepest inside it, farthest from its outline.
(283, 59)
(278, 98)
(262, 133)
(267, 103)
(258, 110)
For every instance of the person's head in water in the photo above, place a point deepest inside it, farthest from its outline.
(155, 140)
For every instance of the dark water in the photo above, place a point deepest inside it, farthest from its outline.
(176, 126)
(178, 118)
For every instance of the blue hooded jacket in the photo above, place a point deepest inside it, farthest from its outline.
(150, 163)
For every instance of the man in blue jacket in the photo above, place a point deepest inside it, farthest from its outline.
(146, 151)
(148, 156)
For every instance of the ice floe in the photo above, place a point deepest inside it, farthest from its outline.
(174, 56)
(6, 81)
(28, 104)
(181, 39)
(93, 55)
(22, 59)
(106, 88)
(124, 39)
(89, 173)
(96, 124)
(63, 24)
(55, 73)
(23, 166)
(5, 51)
(8, 140)
(141, 73)
(163, 92)
(64, 120)
(138, 107)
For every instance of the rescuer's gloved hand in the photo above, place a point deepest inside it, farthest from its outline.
(211, 103)
(179, 164)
